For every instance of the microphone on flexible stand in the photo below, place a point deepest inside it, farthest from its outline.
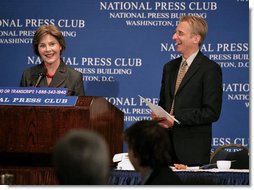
(41, 75)
(70, 93)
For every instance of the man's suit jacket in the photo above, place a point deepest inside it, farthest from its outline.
(163, 176)
(198, 104)
(65, 77)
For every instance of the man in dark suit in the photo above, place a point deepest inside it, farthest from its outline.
(149, 151)
(197, 102)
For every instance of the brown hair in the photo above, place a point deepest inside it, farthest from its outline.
(51, 30)
(198, 24)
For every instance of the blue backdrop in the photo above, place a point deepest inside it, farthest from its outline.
(121, 47)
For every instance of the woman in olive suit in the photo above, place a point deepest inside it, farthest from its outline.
(49, 43)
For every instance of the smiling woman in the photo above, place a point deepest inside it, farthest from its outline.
(49, 44)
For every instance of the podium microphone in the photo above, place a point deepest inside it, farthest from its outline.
(41, 75)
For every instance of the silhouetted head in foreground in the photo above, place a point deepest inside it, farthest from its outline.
(81, 158)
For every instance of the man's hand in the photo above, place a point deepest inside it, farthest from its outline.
(180, 166)
(166, 123)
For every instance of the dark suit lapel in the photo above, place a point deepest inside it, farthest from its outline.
(60, 76)
(192, 70)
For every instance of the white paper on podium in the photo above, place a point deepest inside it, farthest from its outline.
(158, 110)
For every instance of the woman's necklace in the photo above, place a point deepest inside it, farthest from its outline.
(47, 74)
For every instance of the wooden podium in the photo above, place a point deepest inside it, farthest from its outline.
(29, 133)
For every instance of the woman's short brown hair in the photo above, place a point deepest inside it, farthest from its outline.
(44, 30)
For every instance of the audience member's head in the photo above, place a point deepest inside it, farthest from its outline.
(81, 158)
(148, 145)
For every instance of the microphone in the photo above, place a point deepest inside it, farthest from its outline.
(70, 93)
(41, 75)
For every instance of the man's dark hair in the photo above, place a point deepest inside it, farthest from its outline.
(150, 143)
(81, 158)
